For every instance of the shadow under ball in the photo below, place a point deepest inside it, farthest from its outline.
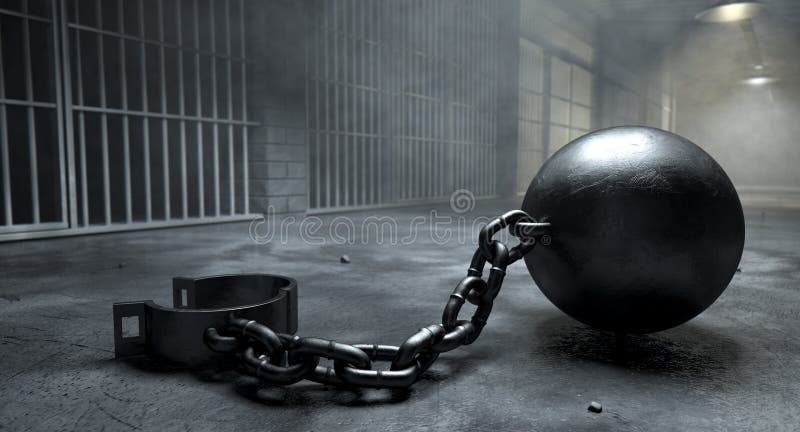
(646, 229)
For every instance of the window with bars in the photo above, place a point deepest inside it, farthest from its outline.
(126, 113)
(531, 147)
(570, 103)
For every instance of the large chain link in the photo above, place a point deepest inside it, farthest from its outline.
(283, 359)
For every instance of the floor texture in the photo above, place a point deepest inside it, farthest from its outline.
(735, 367)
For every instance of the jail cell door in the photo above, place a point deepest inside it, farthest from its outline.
(119, 115)
(158, 111)
(32, 168)
(401, 102)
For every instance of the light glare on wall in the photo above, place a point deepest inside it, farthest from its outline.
(759, 80)
(731, 11)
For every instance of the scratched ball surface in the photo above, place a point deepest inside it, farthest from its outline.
(647, 229)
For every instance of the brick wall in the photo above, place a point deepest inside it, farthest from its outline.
(276, 99)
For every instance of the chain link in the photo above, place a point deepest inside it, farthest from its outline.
(283, 359)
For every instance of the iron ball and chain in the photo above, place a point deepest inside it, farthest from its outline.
(645, 223)
(284, 359)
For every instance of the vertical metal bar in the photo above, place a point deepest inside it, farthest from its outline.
(31, 117)
(357, 107)
(66, 102)
(245, 167)
(406, 107)
(428, 149)
(414, 161)
(403, 114)
(423, 137)
(366, 109)
(419, 147)
(201, 204)
(103, 117)
(326, 17)
(318, 33)
(164, 123)
(145, 121)
(353, 112)
(381, 99)
(373, 95)
(308, 132)
(412, 82)
(440, 162)
(182, 110)
(493, 126)
(362, 144)
(323, 105)
(336, 99)
(228, 61)
(81, 116)
(125, 120)
(68, 164)
(214, 107)
(9, 219)
(462, 153)
(401, 83)
(436, 93)
(374, 139)
(463, 97)
(380, 93)
(358, 61)
(344, 79)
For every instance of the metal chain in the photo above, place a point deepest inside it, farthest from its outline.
(284, 359)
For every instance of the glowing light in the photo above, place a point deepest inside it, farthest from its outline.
(759, 80)
(730, 11)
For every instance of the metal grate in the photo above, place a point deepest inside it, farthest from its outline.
(401, 101)
(531, 147)
(169, 83)
(148, 89)
(570, 103)
(33, 178)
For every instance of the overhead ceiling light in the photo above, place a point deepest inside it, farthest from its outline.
(759, 80)
(730, 11)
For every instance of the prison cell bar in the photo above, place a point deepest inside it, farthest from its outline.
(182, 117)
(64, 181)
(74, 209)
(4, 158)
(245, 167)
(199, 110)
(182, 111)
(228, 64)
(10, 225)
(145, 121)
(34, 174)
(214, 108)
(66, 102)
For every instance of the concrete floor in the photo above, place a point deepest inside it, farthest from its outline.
(735, 367)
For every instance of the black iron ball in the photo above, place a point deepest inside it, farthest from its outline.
(647, 229)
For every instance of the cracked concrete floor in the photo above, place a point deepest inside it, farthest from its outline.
(735, 367)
